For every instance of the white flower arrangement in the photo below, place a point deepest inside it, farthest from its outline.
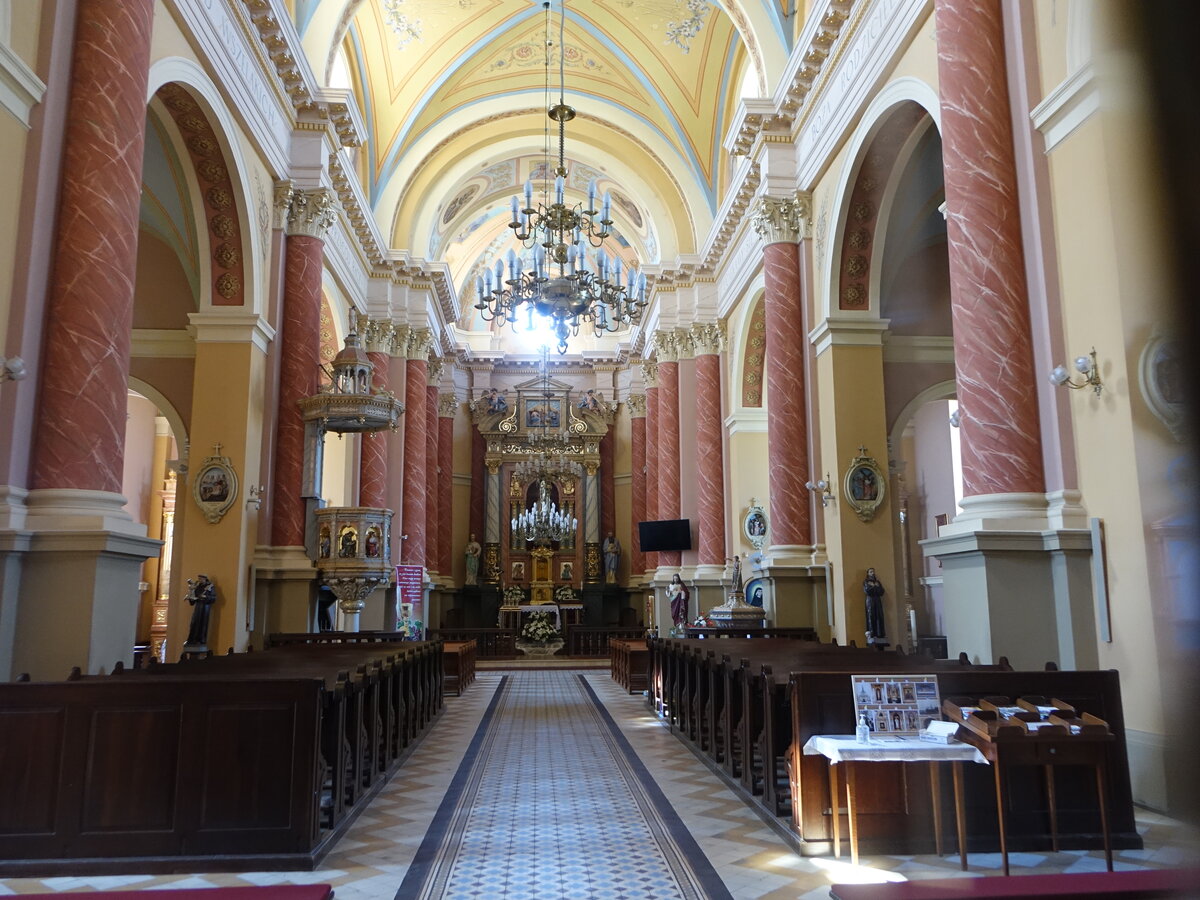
(539, 630)
(564, 593)
(513, 595)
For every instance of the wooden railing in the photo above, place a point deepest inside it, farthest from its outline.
(592, 640)
(492, 643)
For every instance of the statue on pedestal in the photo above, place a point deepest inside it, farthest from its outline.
(472, 551)
(873, 588)
(201, 595)
(612, 558)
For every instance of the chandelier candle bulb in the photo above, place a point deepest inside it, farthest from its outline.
(558, 189)
(528, 197)
(591, 210)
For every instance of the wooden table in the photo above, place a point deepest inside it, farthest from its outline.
(844, 749)
(1048, 752)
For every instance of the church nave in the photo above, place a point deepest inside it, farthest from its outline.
(553, 783)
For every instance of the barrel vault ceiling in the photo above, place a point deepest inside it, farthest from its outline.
(453, 93)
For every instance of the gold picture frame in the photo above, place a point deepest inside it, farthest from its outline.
(215, 487)
(865, 486)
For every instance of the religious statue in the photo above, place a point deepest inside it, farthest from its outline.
(736, 585)
(472, 551)
(677, 593)
(201, 595)
(873, 588)
(612, 558)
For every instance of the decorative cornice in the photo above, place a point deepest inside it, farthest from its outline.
(311, 213)
(448, 406)
(358, 217)
(637, 405)
(708, 339)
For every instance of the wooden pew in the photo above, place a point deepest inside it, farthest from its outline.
(459, 662)
(252, 761)
(628, 664)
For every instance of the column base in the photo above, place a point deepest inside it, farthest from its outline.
(1024, 594)
(285, 591)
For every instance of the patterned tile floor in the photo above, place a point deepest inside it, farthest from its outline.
(528, 836)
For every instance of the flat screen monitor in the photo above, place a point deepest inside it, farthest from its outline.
(665, 535)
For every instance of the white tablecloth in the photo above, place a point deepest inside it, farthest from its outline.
(844, 748)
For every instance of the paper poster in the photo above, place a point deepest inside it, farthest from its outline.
(410, 592)
(899, 705)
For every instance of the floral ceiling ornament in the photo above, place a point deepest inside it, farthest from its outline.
(407, 30)
(679, 33)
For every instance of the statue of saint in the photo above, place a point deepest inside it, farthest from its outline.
(873, 588)
(736, 586)
(472, 551)
(612, 558)
(201, 595)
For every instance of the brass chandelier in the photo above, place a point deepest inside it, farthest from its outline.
(561, 278)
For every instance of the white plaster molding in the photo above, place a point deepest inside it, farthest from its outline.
(226, 41)
(20, 88)
(746, 421)
(171, 343)
(1065, 509)
(1067, 106)
(232, 328)
(848, 332)
(77, 510)
(12, 507)
(1009, 512)
(918, 349)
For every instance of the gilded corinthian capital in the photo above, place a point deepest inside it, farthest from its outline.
(708, 338)
(312, 213)
(782, 220)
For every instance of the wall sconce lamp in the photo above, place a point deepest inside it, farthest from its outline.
(254, 497)
(1087, 367)
(12, 368)
(821, 487)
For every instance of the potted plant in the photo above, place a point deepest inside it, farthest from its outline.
(539, 637)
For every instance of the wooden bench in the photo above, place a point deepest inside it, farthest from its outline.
(249, 762)
(629, 659)
(459, 665)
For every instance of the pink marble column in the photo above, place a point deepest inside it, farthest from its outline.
(416, 423)
(993, 352)
(710, 464)
(652, 460)
(608, 487)
(447, 408)
(397, 382)
(373, 457)
(478, 479)
(637, 437)
(80, 431)
(787, 418)
(300, 356)
(668, 448)
(432, 467)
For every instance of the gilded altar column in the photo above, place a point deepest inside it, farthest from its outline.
(447, 410)
(310, 215)
(650, 379)
(637, 436)
(668, 344)
(433, 372)
(373, 449)
(993, 351)
(708, 341)
(416, 423)
(779, 222)
(80, 439)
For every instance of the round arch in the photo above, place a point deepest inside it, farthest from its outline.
(189, 75)
(943, 390)
(874, 118)
(739, 338)
(166, 408)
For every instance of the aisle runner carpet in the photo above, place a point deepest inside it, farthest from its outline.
(550, 802)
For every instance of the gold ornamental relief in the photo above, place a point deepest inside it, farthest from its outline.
(228, 286)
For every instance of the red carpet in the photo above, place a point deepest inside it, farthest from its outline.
(1107, 885)
(271, 892)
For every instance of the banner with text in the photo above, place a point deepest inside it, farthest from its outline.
(410, 591)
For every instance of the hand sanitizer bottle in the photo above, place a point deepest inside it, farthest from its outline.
(862, 733)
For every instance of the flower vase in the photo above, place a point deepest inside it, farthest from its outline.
(539, 651)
